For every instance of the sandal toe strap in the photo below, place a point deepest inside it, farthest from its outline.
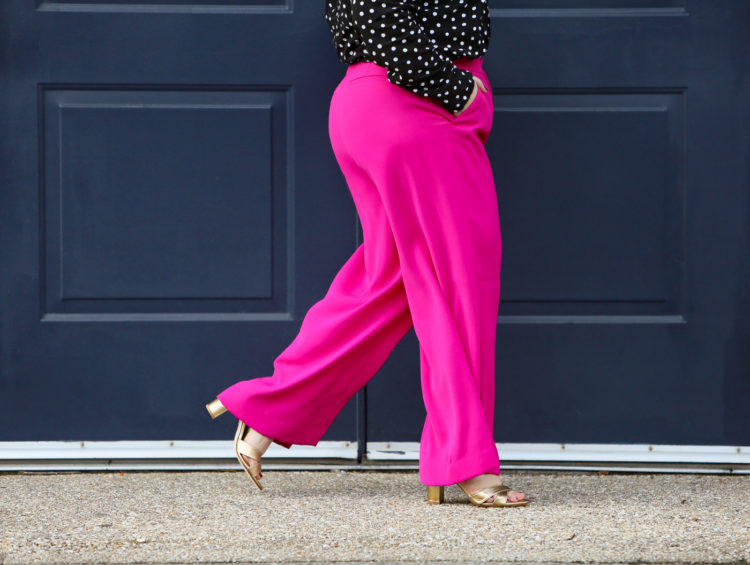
(249, 450)
(483, 495)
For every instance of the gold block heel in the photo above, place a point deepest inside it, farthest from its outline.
(215, 408)
(435, 495)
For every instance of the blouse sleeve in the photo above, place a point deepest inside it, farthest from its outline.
(393, 38)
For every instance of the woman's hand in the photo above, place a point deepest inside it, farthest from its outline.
(477, 84)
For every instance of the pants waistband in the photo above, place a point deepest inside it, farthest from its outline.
(367, 68)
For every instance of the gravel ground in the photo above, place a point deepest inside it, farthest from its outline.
(325, 516)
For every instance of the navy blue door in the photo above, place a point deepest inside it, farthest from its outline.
(620, 153)
(170, 208)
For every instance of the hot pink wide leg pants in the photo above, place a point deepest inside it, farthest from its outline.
(424, 191)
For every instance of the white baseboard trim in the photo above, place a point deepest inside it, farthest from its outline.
(219, 455)
(165, 455)
(581, 452)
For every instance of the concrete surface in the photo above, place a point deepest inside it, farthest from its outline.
(376, 516)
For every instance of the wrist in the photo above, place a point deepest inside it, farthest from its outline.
(459, 90)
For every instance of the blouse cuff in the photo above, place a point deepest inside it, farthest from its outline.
(458, 90)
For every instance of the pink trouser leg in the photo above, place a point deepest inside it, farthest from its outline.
(423, 187)
(342, 342)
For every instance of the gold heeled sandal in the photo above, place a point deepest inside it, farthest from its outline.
(436, 495)
(241, 447)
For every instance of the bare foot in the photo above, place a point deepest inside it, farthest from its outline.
(480, 482)
(259, 441)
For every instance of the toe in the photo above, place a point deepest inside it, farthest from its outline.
(515, 496)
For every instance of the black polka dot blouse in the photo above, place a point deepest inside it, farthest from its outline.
(416, 40)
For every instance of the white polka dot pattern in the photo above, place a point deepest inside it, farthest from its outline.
(416, 40)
